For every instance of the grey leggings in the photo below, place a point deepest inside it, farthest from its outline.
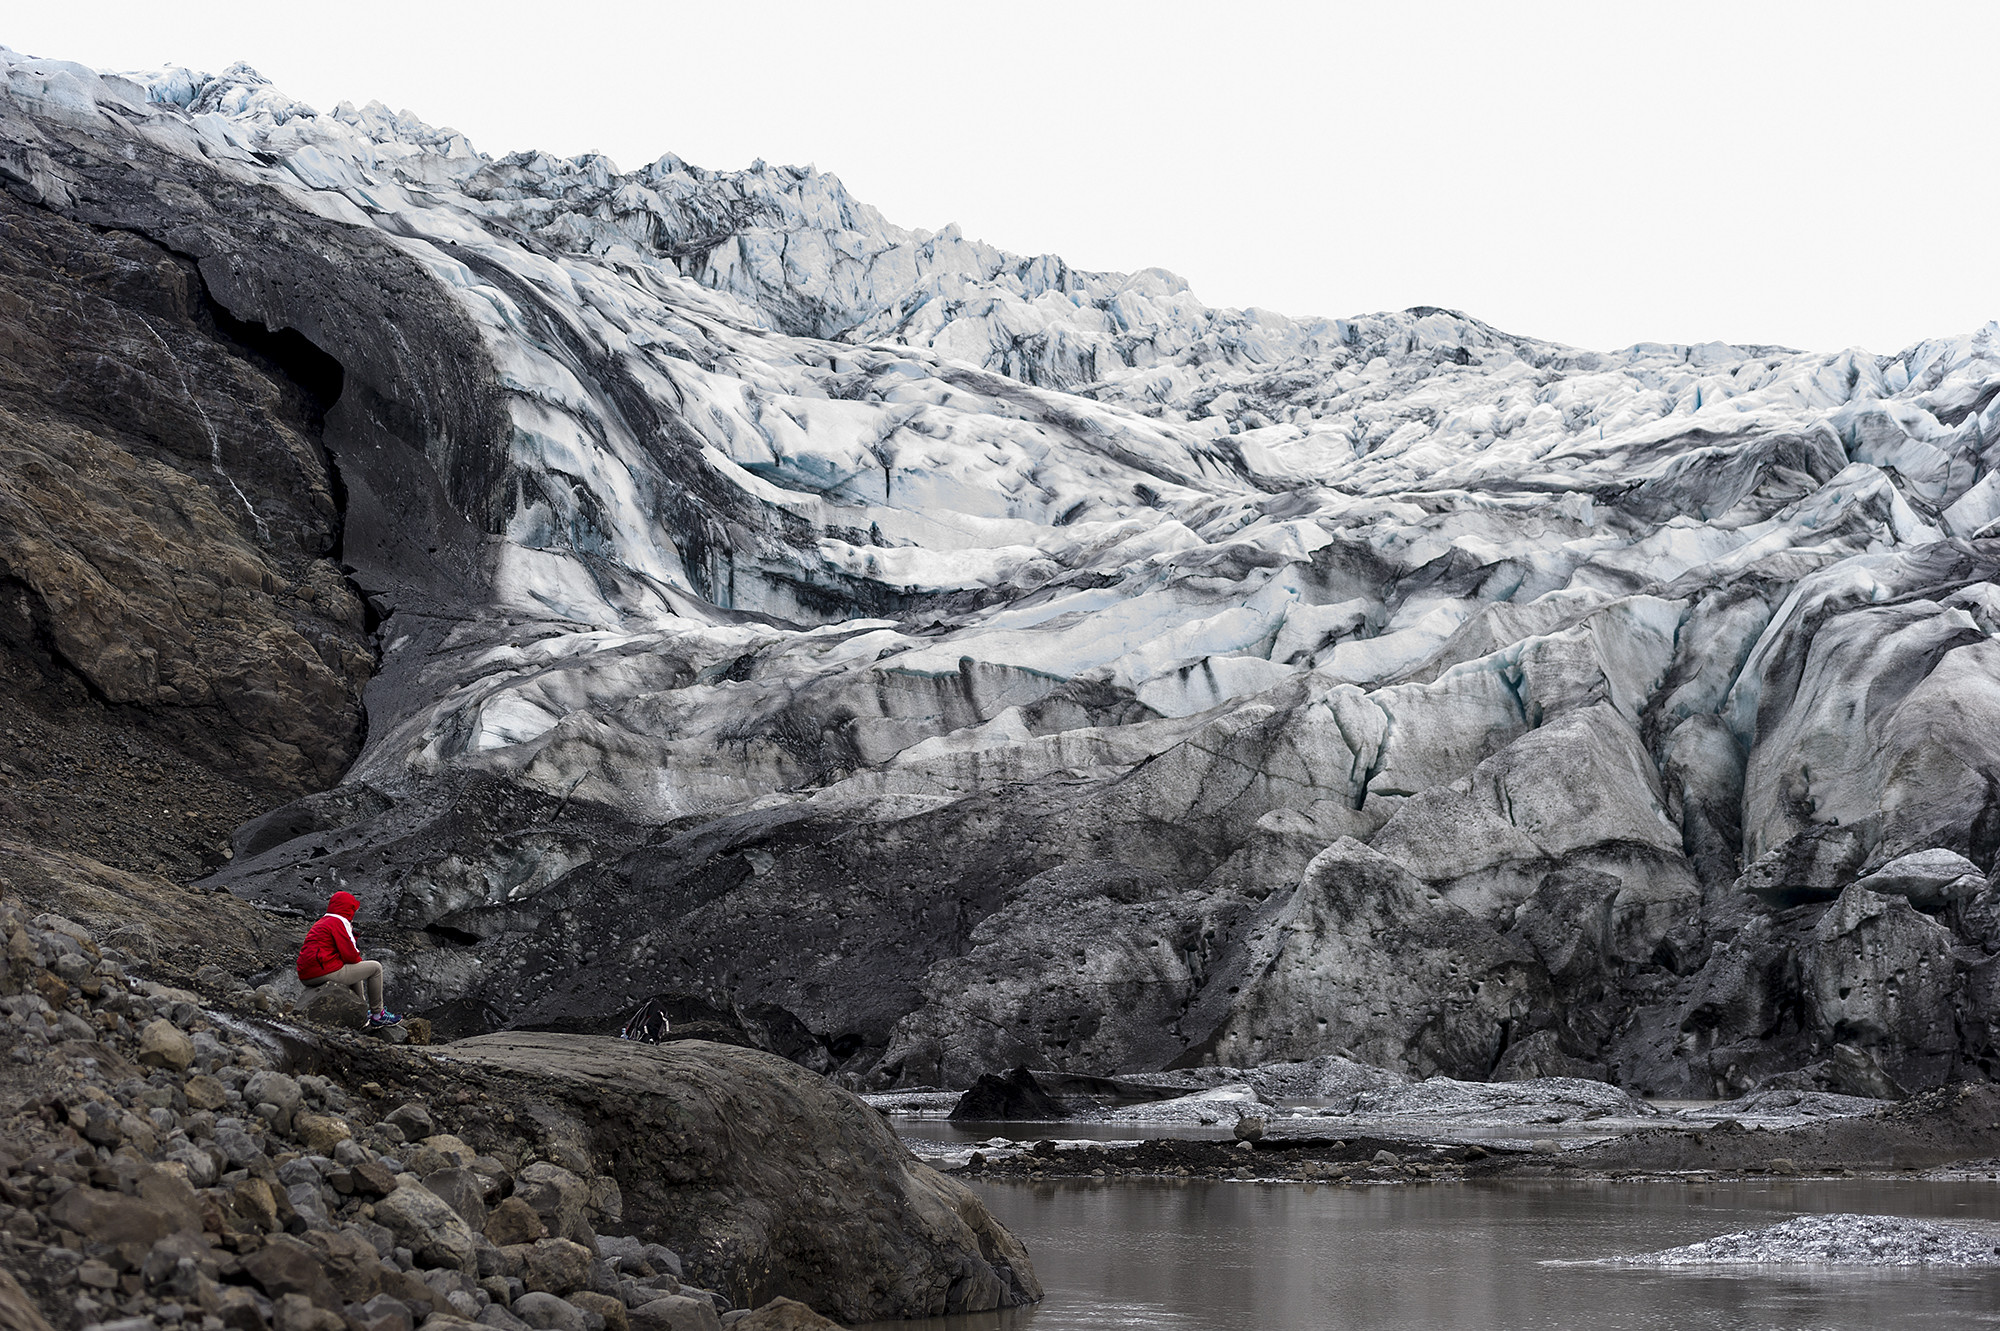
(356, 975)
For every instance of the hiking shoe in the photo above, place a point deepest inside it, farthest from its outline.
(383, 1018)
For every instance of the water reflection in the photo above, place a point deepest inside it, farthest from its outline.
(1230, 1257)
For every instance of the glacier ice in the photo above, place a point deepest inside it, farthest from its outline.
(789, 513)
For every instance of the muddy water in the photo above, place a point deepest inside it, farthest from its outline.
(1204, 1256)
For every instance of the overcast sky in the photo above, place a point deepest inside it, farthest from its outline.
(1818, 175)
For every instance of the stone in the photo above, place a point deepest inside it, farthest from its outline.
(205, 1092)
(462, 1191)
(308, 1205)
(337, 1006)
(413, 1120)
(219, 979)
(555, 1266)
(253, 1200)
(546, 1312)
(675, 1312)
(409, 1287)
(1782, 1165)
(199, 1164)
(296, 1313)
(557, 1195)
(456, 1152)
(96, 1275)
(1386, 1158)
(1249, 1129)
(514, 1222)
(116, 1218)
(782, 1314)
(604, 1305)
(350, 1262)
(237, 1308)
(283, 1265)
(496, 1315)
(607, 1200)
(372, 1179)
(634, 1255)
(163, 1045)
(321, 1133)
(1014, 1095)
(384, 1312)
(274, 1088)
(456, 1290)
(435, 1233)
(924, 1235)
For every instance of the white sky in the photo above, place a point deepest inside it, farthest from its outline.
(1819, 175)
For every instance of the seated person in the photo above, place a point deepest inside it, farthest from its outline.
(331, 956)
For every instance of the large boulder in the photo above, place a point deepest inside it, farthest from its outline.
(426, 1224)
(767, 1179)
(1009, 1095)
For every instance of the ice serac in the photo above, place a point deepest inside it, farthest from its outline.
(922, 660)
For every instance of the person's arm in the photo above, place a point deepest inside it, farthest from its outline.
(343, 941)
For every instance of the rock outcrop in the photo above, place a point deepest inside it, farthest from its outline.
(1010, 1095)
(920, 660)
(768, 1181)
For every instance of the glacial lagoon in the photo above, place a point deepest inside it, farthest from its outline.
(1243, 1256)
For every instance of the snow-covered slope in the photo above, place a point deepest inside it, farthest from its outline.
(1090, 613)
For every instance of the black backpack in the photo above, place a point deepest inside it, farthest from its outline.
(649, 1023)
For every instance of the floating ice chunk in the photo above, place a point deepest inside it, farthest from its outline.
(1847, 1240)
(1221, 1105)
(1540, 1100)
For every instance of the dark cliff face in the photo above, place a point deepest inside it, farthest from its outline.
(178, 645)
(912, 721)
(215, 487)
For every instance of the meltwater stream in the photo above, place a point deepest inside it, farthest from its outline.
(1218, 1256)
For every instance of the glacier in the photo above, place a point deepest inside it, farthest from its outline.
(931, 660)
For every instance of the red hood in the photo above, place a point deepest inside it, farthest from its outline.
(343, 904)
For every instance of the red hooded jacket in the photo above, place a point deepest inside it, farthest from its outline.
(330, 942)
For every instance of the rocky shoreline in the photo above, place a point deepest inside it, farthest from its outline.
(205, 1162)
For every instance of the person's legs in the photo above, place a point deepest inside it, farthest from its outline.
(363, 977)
